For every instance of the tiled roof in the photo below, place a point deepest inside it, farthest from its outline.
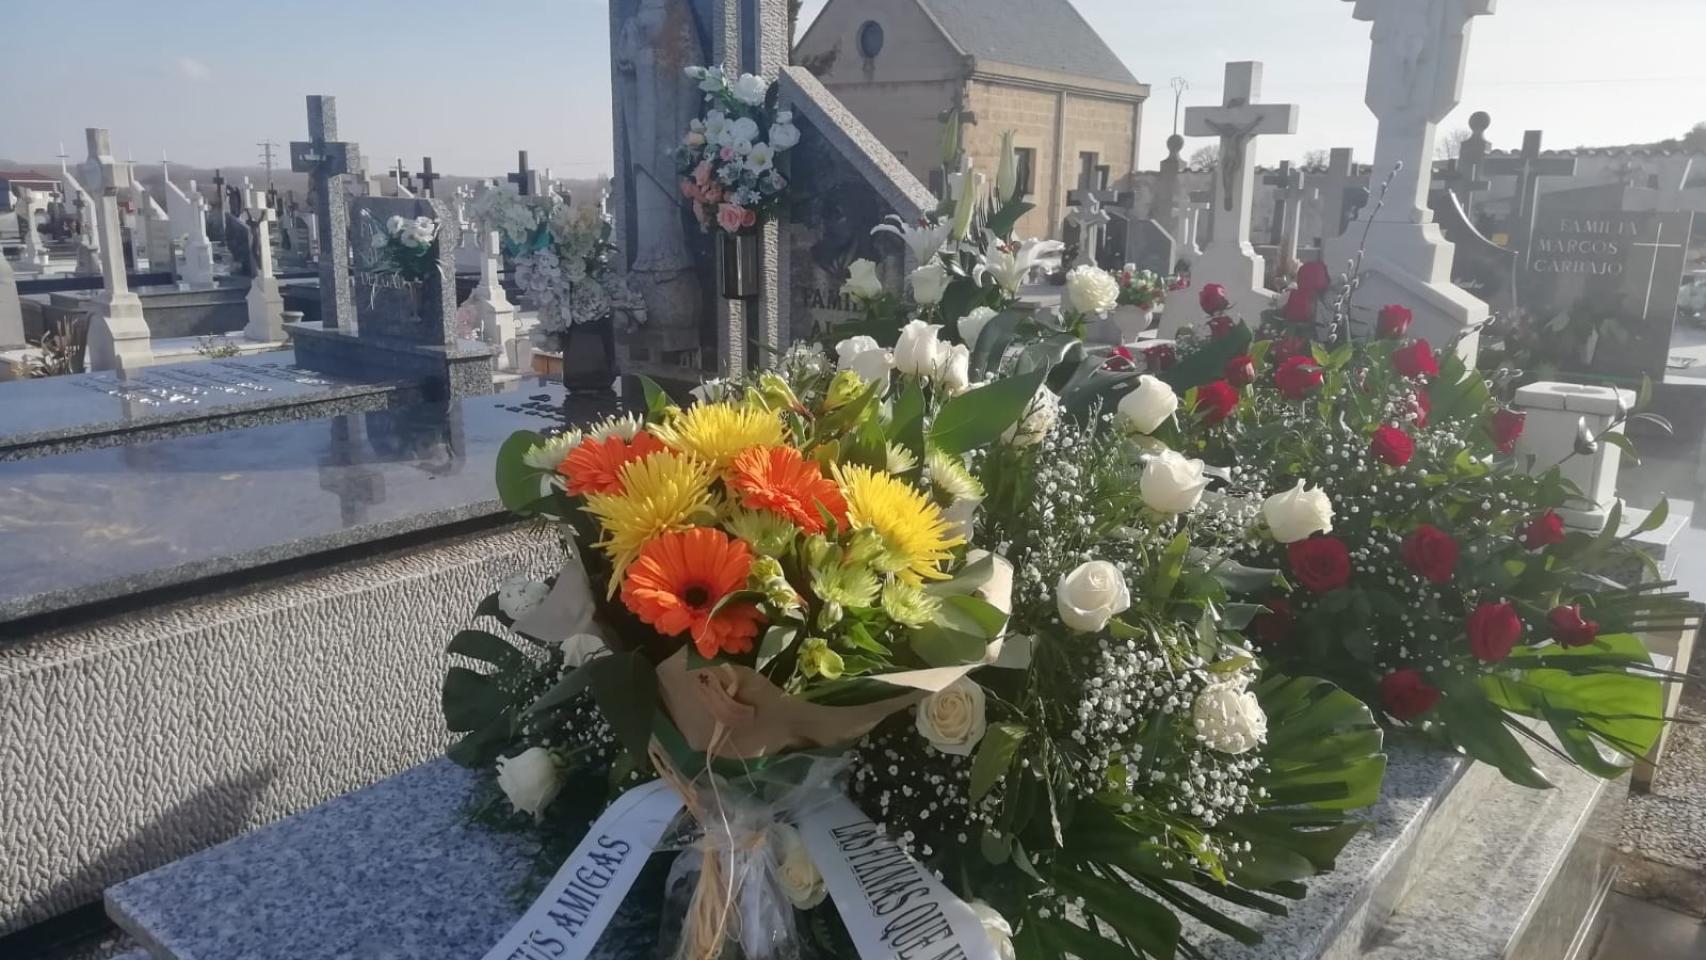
(1045, 34)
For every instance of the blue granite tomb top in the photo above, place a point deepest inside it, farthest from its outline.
(92, 525)
(83, 406)
(396, 871)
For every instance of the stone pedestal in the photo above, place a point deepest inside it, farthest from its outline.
(198, 262)
(118, 334)
(266, 311)
(11, 311)
(493, 312)
(1557, 413)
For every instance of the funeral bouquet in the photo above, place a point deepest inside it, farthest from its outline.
(1143, 289)
(405, 251)
(728, 159)
(1402, 546)
(895, 664)
(562, 257)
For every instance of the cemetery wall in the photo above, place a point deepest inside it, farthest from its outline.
(178, 728)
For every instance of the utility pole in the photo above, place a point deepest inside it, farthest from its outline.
(1179, 85)
(267, 147)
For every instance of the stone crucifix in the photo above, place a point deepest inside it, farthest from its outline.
(1293, 193)
(1229, 258)
(328, 161)
(1090, 219)
(266, 304)
(118, 332)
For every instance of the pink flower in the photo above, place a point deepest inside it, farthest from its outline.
(690, 190)
(702, 174)
(695, 139)
(727, 154)
(732, 217)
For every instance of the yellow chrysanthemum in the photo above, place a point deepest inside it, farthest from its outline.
(915, 536)
(718, 432)
(662, 493)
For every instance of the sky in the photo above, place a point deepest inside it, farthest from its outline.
(470, 83)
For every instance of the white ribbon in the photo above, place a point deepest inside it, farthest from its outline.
(893, 906)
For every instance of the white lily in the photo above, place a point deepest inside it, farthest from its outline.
(1009, 264)
(923, 240)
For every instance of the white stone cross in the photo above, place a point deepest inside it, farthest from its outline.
(262, 215)
(1293, 193)
(265, 302)
(1229, 259)
(1333, 183)
(1090, 219)
(118, 332)
(492, 309)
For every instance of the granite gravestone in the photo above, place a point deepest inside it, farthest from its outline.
(1149, 247)
(419, 312)
(1606, 285)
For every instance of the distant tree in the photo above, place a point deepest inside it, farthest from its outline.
(1696, 138)
(1450, 145)
(1313, 159)
(1207, 158)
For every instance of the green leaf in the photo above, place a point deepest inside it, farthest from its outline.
(1209, 363)
(994, 756)
(992, 342)
(979, 417)
(626, 688)
(487, 648)
(1655, 519)
(657, 398)
(1138, 918)
(478, 749)
(1472, 722)
(960, 633)
(518, 483)
(471, 700)
(1622, 442)
(906, 427)
(1002, 222)
(1167, 571)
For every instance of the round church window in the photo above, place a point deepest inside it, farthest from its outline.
(871, 38)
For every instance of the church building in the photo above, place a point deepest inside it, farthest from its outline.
(1032, 66)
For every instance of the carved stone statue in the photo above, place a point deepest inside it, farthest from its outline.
(656, 101)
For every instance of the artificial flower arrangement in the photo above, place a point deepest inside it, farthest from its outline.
(405, 251)
(1144, 289)
(562, 258)
(898, 641)
(1399, 546)
(729, 159)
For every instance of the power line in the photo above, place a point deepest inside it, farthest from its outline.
(267, 147)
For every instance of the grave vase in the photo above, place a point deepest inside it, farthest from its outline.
(1132, 320)
(737, 264)
(589, 357)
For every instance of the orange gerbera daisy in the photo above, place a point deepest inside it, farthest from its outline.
(595, 466)
(678, 579)
(781, 481)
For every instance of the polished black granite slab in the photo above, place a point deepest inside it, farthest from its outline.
(88, 526)
(93, 409)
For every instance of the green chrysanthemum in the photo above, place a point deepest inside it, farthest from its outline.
(847, 585)
(768, 534)
(950, 478)
(909, 605)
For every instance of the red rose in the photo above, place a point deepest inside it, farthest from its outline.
(1543, 531)
(1432, 553)
(1569, 629)
(1494, 629)
(1299, 307)
(1216, 401)
(1284, 349)
(1423, 407)
(1121, 359)
(1221, 326)
(1240, 371)
(1160, 358)
(1406, 695)
(1394, 321)
(1323, 564)
(1212, 299)
(1507, 428)
(1392, 446)
(1273, 626)
(1314, 277)
(1297, 376)
(1416, 360)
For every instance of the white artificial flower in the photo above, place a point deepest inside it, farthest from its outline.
(750, 89)
(1229, 718)
(972, 324)
(550, 453)
(582, 647)
(1092, 291)
(716, 127)
(864, 357)
(1011, 267)
(801, 882)
(918, 348)
(1150, 405)
(996, 927)
(1091, 595)
(784, 136)
(952, 718)
(530, 780)
(1298, 513)
(394, 226)
(1040, 416)
(379, 241)
(712, 80)
(519, 595)
(742, 128)
(627, 426)
(862, 280)
(929, 282)
(760, 157)
(923, 240)
(1172, 483)
(953, 369)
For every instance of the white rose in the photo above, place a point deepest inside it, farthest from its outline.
(784, 136)
(750, 89)
(862, 356)
(1039, 419)
(582, 647)
(953, 368)
(1298, 513)
(1149, 406)
(1092, 290)
(394, 225)
(996, 927)
(862, 281)
(1091, 595)
(518, 595)
(531, 780)
(918, 348)
(972, 324)
(1228, 718)
(801, 882)
(1172, 483)
(744, 128)
(928, 283)
(952, 718)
